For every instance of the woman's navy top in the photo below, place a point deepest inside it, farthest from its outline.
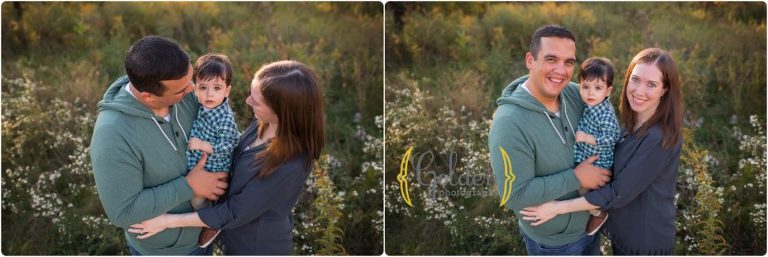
(641, 197)
(255, 214)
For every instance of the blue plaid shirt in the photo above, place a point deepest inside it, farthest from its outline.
(217, 127)
(600, 122)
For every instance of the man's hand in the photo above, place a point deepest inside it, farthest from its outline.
(586, 138)
(589, 176)
(209, 185)
(198, 144)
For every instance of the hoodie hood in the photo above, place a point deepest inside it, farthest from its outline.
(515, 94)
(117, 99)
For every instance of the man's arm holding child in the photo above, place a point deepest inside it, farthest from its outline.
(527, 188)
(119, 182)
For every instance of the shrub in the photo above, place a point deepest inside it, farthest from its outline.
(58, 59)
(479, 48)
(447, 217)
(47, 185)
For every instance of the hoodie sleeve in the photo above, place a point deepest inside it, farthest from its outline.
(119, 181)
(527, 188)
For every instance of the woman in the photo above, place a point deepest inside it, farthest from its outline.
(641, 197)
(269, 167)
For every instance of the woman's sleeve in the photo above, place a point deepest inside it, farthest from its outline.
(648, 162)
(257, 197)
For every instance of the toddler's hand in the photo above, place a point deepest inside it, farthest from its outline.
(197, 144)
(586, 138)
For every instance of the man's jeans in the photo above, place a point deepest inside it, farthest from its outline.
(198, 251)
(587, 245)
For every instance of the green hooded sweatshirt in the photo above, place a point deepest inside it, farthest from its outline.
(539, 145)
(139, 163)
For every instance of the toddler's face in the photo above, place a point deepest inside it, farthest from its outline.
(594, 91)
(211, 92)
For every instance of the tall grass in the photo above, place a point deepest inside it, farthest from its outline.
(59, 58)
(448, 62)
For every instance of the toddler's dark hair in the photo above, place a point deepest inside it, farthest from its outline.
(212, 66)
(597, 68)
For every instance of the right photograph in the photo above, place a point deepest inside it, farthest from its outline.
(575, 128)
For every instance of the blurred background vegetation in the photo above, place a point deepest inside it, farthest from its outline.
(59, 58)
(447, 63)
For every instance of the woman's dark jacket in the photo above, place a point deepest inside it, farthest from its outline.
(641, 198)
(255, 214)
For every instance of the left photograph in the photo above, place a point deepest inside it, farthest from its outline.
(192, 128)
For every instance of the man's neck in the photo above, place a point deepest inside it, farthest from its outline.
(159, 111)
(549, 103)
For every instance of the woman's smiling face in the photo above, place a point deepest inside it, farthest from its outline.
(645, 89)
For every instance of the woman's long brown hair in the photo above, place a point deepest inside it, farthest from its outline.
(669, 113)
(290, 89)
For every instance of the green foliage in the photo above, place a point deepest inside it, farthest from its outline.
(326, 212)
(329, 214)
(745, 190)
(457, 57)
(58, 59)
(702, 232)
(449, 215)
(48, 192)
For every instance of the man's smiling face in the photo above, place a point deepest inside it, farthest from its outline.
(552, 68)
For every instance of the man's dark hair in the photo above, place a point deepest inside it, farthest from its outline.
(597, 68)
(211, 66)
(152, 59)
(548, 31)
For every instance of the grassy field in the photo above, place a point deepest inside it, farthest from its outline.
(59, 58)
(447, 63)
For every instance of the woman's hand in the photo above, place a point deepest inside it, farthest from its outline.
(152, 226)
(542, 213)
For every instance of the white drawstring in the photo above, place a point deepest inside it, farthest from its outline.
(573, 129)
(166, 136)
(176, 110)
(565, 110)
(553, 127)
(176, 113)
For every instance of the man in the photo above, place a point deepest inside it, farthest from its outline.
(533, 128)
(139, 143)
